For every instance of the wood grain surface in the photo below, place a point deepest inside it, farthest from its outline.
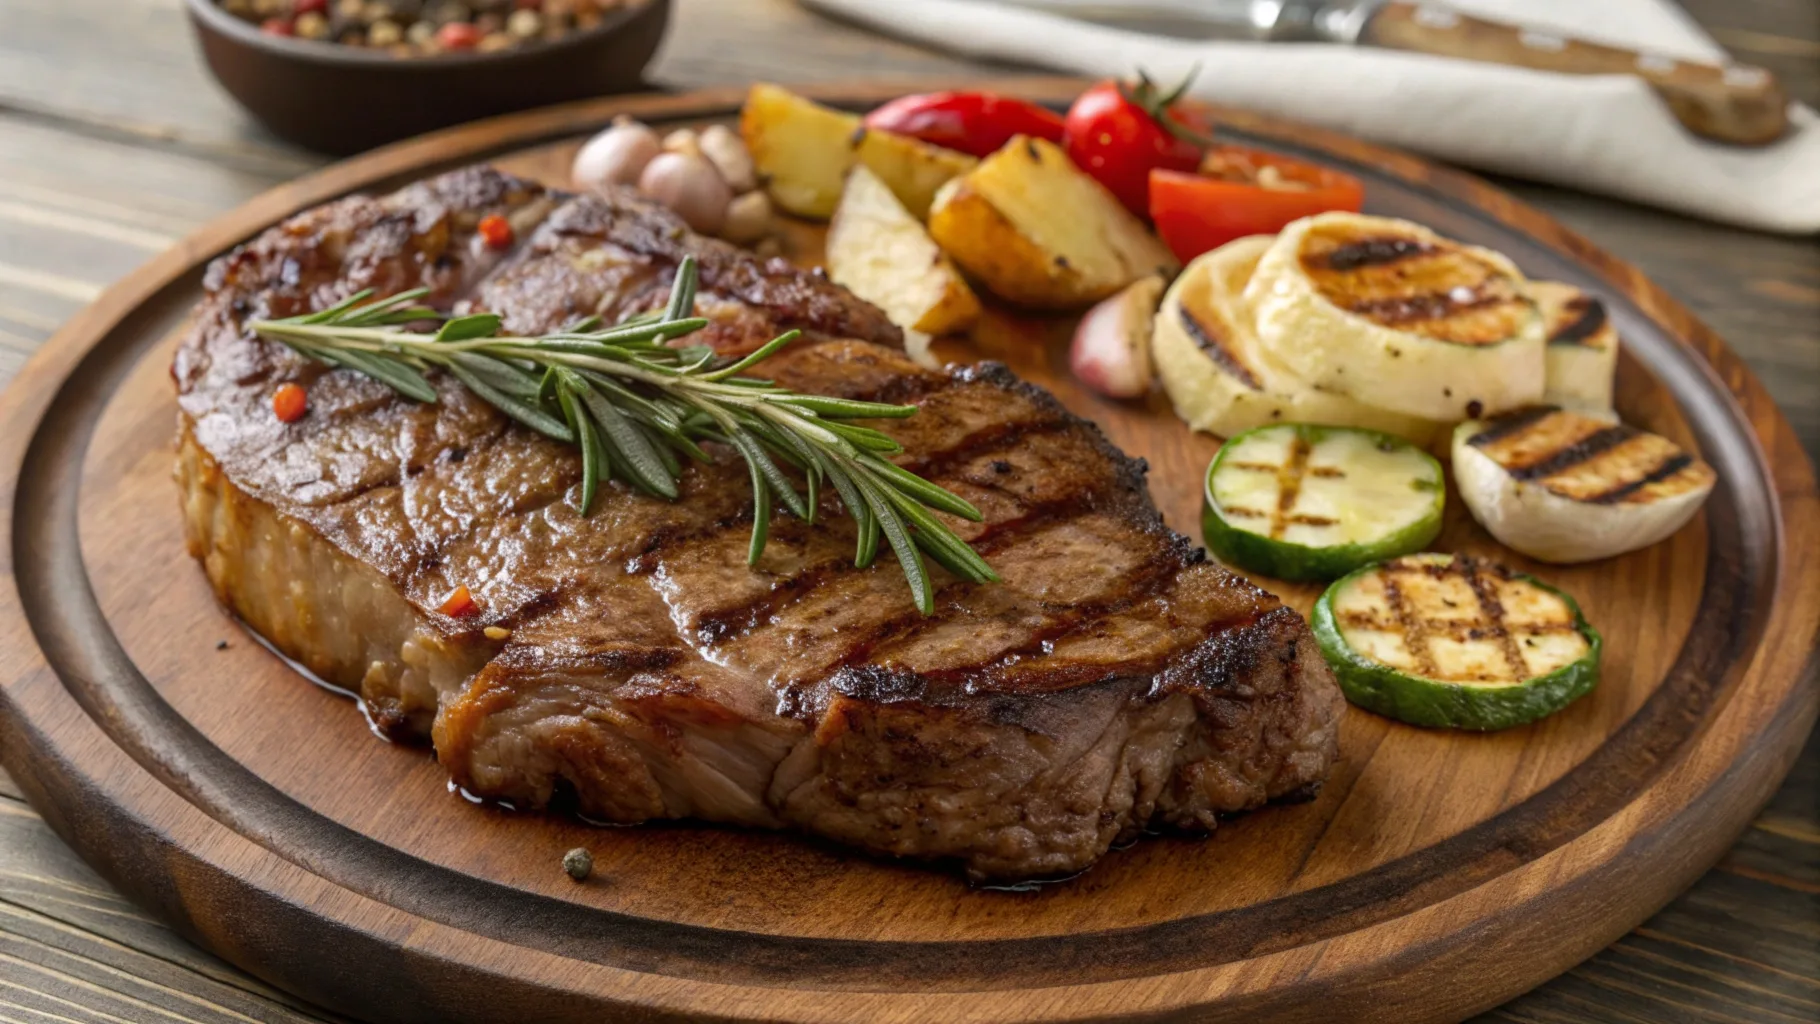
(95, 178)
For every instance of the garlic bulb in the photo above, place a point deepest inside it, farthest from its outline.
(690, 186)
(617, 156)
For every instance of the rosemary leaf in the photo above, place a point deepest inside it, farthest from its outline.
(530, 415)
(464, 328)
(400, 377)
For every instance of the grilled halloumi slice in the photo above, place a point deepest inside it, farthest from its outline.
(1398, 317)
(1564, 487)
(1582, 354)
(1220, 379)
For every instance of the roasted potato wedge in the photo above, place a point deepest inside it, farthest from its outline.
(802, 151)
(880, 252)
(913, 169)
(1038, 231)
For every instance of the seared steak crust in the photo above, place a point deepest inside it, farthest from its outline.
(631, 660)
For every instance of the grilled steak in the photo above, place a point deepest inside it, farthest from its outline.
(631, 663)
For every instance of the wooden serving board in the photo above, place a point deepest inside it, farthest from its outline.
(1437, 873)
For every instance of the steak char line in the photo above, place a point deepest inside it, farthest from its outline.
(631, 661)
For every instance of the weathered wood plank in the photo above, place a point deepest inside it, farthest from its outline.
(65, 933)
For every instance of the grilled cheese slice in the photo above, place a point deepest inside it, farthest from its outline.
(1399, 318)
(1566, 487)
(1222, 381)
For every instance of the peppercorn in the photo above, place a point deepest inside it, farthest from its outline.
(495, 230)
(457, 35)
(384, 32)
(459, 604)
(290, 402)
(312, 25)
(579, 863)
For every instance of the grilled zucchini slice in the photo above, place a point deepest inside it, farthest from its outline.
(1220, 381)
(1302, 502)
(1398, 317)
(1565, 487)
(1453, 642)
(1582, 354)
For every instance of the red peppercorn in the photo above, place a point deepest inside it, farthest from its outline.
(277, 27)
(289, 403)
(458, 35)
(459, 604)
(306, 6)
(496, 231)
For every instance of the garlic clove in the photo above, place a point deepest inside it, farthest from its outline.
(1111, 349)
(727, 151)
(748, 218)
(690, 186)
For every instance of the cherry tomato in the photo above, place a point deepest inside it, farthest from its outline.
(496, 231)
(459, 604)
(971, 122)
(1237, 192)
(1119, 132)
(289, 403)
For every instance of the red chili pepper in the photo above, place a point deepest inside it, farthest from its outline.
(277, 27)
(496, 231)
(1120, 132)
(971, 122)
(458, 35)
(459, 604)
(289, 403)
(1238, 192)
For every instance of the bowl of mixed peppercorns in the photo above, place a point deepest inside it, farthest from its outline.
(342, 76)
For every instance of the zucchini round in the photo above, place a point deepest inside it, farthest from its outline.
(1304, 502)
(1453, 642)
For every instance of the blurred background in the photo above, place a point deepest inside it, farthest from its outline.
(116, 141)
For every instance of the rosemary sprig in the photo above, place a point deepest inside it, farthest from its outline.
(638, 406)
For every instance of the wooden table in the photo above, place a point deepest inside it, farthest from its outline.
(113, 144)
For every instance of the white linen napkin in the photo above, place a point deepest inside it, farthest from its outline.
(1600, 133)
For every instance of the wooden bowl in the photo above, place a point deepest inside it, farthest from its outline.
(342, 99)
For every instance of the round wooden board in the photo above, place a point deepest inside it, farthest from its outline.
(1436, 875)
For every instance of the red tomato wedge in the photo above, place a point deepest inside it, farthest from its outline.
(971, 122)
(1238, 192)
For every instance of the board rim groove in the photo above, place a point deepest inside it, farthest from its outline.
(40, 475)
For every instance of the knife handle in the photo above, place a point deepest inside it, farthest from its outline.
(1734, 103)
